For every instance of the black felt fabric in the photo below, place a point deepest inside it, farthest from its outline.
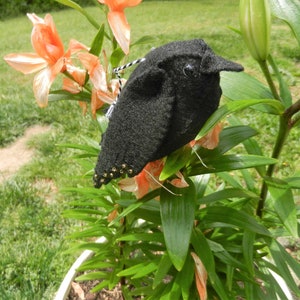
(164, 104)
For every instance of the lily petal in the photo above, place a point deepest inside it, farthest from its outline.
(179, 181)
(26, 63)
(105, 97)
(83, 106)
(201, 276)
(75, 46)
(95, 69)
(46, 41)
(77, 73)
(41, 86)
(119, 4)
(145, 181)
(211, 139)
(35, 19)
(143, 184)
(115, 86)
(130, 3)
(120, 28)
(96, 102)
(71, 86)
(128, 185)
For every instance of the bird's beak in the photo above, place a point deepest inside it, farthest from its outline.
(212, 63)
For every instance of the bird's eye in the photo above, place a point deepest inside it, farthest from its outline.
(190, 71)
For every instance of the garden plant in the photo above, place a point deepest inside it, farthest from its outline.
(203, 222)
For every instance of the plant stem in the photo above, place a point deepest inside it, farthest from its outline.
(293, 109)
(284, 130)
(285, 125)
(122, 245)
(282, 135)
(264, 67)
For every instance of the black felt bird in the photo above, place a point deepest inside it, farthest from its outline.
(164, 104)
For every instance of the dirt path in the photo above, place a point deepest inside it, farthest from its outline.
(16, 155)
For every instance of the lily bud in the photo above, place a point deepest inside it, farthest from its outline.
(255, 23)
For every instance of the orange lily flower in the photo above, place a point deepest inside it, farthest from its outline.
(210, 140)
(96, 71)
(144, 181)
(75, 85)
(148, 180)
(102, 92)
(118, 22)
(99, 97)
(48, 60)
(179, 181)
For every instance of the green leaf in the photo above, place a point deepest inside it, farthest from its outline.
(171, 292)
(116, 57)
(94, 231)
(175, 291)
(98, 41)
(126, 211)
(249, 179)
(283, 262)
(139, 270)
(86, 246)
(92, 276)
(234, 181)
(71, 4)
(77, 7)
(288, 11)
(114, 278)
(229, 138)
(234, 135)
(59, 95)
(294, 182)
(126, 292)
(251, 145)
(184, 278)
(94, 263)
(215, 216)
(224, 256)
(248, 242)
(234, 106)
(134, 205)
(201, 183)
(93, 150)
(162, 270)
(229, 163)
(151, 237)
(204, 252)
(227, 194)
(149, 215)
(99, 287)
(147, 39)
(241, 86)
(285, 93)
(175, 161)
(177, 214)
(282, 201)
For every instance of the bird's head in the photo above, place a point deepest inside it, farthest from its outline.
(191, 65)
(191, 59)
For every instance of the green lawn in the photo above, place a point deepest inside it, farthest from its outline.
(32, 230)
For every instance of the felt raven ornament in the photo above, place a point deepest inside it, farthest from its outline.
(164, 104)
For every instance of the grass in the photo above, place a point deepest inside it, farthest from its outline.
(32, 230)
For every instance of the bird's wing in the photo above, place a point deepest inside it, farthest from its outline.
(137, 127)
